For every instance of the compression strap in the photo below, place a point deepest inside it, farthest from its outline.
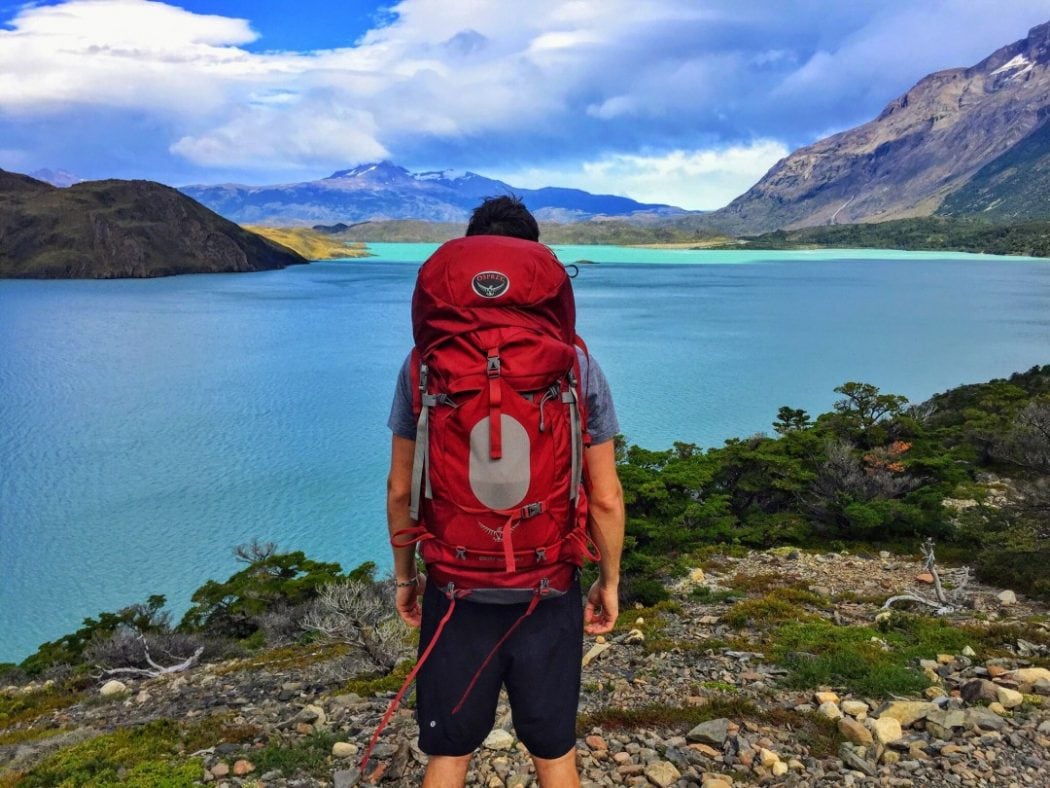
(408, 681)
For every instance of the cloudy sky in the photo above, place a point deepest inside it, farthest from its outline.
(681, 101)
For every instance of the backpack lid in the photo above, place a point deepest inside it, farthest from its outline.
(484, 281)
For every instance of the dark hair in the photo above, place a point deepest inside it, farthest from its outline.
(506, 215)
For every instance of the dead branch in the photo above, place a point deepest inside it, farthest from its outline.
(943, 603)
(158, 670)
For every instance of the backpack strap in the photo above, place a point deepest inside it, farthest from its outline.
(452, 595)
(572, 398)
(421, 455)
(492, 369)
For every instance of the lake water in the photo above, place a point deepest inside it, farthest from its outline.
(149, 426)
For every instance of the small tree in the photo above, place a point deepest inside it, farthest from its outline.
(271, 580)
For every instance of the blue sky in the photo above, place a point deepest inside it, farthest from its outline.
(680, 101)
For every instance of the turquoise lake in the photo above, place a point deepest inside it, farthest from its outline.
(149, 426)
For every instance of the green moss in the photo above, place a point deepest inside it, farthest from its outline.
(18, 709)
(287, 657)
(818, 653)
(778, 606)
(146, 756)
(309, 755)
(371, 684)
(23, 735)
(663, 715)
(706, 595)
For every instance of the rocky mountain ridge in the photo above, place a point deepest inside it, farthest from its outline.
(108, 229)
(383, 190)
(923, 146)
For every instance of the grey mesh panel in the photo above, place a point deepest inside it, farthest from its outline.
(502, 483)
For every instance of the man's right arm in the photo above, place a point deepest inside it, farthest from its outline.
(606, 525)
(398, 493)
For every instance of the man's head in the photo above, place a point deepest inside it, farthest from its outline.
(504, 216)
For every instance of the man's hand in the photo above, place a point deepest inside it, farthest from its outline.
(407, 601)
(603, 606)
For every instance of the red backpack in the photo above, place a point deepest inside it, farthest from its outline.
(497, 478)
(501, 421)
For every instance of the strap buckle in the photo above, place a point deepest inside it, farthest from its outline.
(493, 366)
(531, 510)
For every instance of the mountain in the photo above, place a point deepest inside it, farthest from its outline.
(383, 190)
(1013, 187)
(924, 146)
(108, 229)
(61, 178)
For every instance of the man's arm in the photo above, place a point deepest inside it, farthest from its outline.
(606, 524)
(398, 496)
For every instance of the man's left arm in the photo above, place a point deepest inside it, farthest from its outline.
(606, 525)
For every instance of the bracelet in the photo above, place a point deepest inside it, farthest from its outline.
(407, 583)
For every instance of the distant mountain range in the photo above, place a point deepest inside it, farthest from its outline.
(384, 190)
(966, 141)
(107, 229)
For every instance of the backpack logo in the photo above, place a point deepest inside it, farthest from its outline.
(490, 284)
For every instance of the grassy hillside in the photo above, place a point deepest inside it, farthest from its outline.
(109, 229)
(1013, 187)
(311, 244)
(935, 233)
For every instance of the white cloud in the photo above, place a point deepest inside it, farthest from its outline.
(471, 85)
(695, 179)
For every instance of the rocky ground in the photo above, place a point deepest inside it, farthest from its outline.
(697, 691)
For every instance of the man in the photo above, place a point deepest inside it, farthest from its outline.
(540, 664)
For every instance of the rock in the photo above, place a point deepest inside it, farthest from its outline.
(634, 637)
(498, 739)
(945, 659)
(854, 708)
(1006, 597)
(830, 710)
(713, 732)
(886, 729)
(985, 719)
(343, 749)
(1030, 675)
(662, 773)
(942, 722)
(1010, 699)
(767, 757)
(243, 767)
(907, 712)
(997, 708)
(706, 749)
(924, 577)
(696, 576)
(596, 650)
(995, 671)
(968, 652)
(221, 769)
(596, 743)
(716, 781)
(855, 761)
(779, 769)
(854, 731)
(346, 778)
(312, 714)
(932, 693)
(978, 689)
(113, 687)
(825, 697)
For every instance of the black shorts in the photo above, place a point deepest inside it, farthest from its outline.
(539, 664)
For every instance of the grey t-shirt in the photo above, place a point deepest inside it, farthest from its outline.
(601, 414)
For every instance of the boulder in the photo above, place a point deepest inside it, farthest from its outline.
(886, 730)
(1010, 698)
(113, 687)
(713, 732)
(978, 689)
(662, 773)
(1006, 597)
(855, 732)
(907, 712)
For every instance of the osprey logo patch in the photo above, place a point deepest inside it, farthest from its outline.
(490, 284)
